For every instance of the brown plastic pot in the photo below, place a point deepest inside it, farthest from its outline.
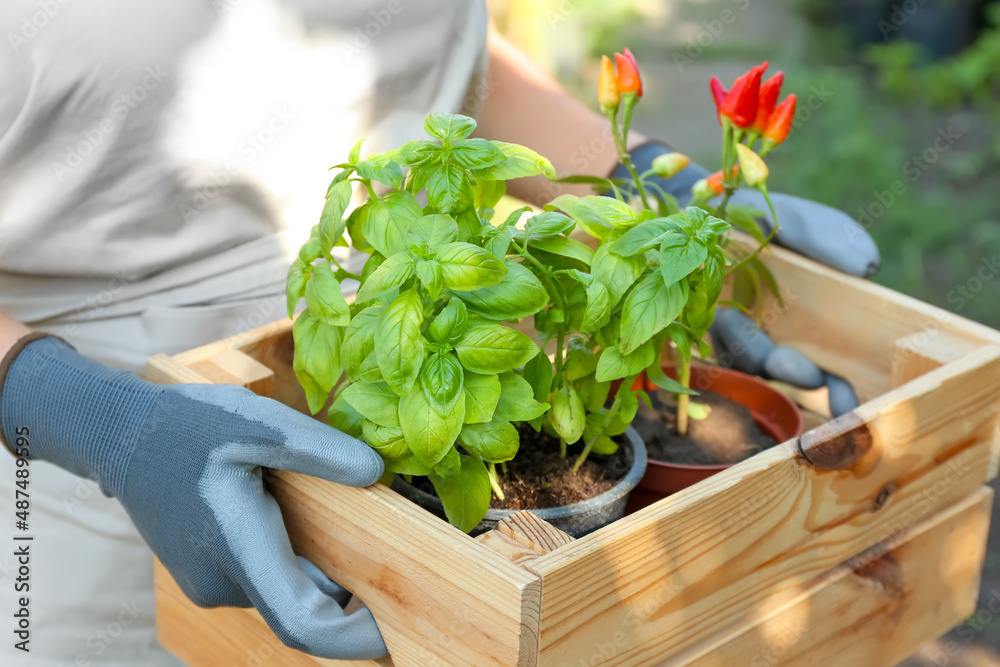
(775, 413)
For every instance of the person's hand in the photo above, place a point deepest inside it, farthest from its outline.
(809, 228)
(186, 463)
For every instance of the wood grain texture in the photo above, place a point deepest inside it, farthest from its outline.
(920, 353)
(536, 534)
(873, 610)
(671, 574)
(237, 367)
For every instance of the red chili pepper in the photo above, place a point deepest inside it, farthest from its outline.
(714, 181)
(769, 91)
(779, 123)
(719, 93)
(629, 80)
(740, 105)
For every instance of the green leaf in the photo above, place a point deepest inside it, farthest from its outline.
(331, 221)
(359, 339)
(745, 219)
(355, 222)
(596, 214)
(393, 272)
(448, 126)
(422, 155)
(465, 495)
(594, 394)
(538, 373)
(628, 403)
(398, 343)
(564, 247)
(520, 162)
(310, 251)
(649, 308)
(316, 359)
(387, 441)
(613, 364)
(450, 323)
(642, 237)
(442, 379)
(617, 273)
(355, 152)
(370, 371)
(449, 189)
(567, 415)
(499, 243)
(374, 401)
(468, 267)
(517, 400)
(435, 230)
(385, 226)
(580, 359)
(476, 154)
(486, 193)
(550, 223)
(704, 222)
(431, 277)
(519, 294)
(665, 382)
(494, 442)
(604, 445)
(599, 307)
(344, 418)
(482, 393)
(382, 169)
(324, 298)
(428, 434)
(295, 284)
(679, 256)
(450, 465)
(489, 349)
(407, 465)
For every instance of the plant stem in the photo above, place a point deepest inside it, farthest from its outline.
(683, 400)
(495, 481)
(626, 159)
(562, 448)
(612, 413)
(767, 240)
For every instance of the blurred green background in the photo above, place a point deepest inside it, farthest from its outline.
(893, 94)
(878, 83)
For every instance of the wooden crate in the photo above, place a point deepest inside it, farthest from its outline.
(852, 545)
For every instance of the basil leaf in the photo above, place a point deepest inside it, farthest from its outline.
(519, 294)
(612, 364)
(499, 243)
(355, 152)
(382, 169)
(665, 382)
(407, 465)
(538, 373)
(465, 495)
(580, 359)
(594, 394)
(423, 154)
(599, 307)
(385, 226)
(449, 189)
(435, 229)
(482, 393)
(549, 223)
(428, 434)
(295, 284)
(331, 221)
(398, 343)
(450, 465)
(596, 214)
(644, 236)
(355, 222)
(517, 400)
(494, 442)
(649, 308)
(316, 360)
(604, 445)
(679, 256)
(520, 162)
(476, 153)
(491, 348)
(387, 441)
(450, 323)
(448, 126)
(567, 415)
(392, 272)
(486, 193)
(617, 273)
(564, 247)
(359, 339)
(374, 401)
(370, 371)
(468, 267)
(431, 277)
(344, 418)
(442, 379)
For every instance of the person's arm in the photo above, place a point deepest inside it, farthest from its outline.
(186, 462)
(528, 107)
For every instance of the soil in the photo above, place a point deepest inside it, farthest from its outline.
(728, 435)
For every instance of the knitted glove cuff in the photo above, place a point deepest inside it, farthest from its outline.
(642, 158)
(72, 411)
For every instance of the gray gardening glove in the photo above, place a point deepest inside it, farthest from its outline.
(809, 228)
(186, 463)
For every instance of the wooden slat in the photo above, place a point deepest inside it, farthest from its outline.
(535, 533)
(162, 369)
(921, 352)
(873, 610)
(236, 367)
(849, 326)
(702, 558)
(225, 635)
(439, 596)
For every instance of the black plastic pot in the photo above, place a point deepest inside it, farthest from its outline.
(577, 519)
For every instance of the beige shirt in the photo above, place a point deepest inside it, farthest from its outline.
(177, 151)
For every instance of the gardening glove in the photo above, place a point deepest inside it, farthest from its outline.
(809, 228)
(186, 463)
